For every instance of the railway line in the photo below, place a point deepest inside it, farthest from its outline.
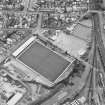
(91, 90)
(93, 61)
(100, 49)
(100, 45)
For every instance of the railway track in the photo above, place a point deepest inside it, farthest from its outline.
(98, 46)
(90, 94)
(99, 41)
(100, 50)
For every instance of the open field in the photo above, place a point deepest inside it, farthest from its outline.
(70, 43)
(82, 32)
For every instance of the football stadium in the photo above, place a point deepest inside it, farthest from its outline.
(48, 66)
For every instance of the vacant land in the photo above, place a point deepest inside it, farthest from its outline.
(70, 43)
(82, 31)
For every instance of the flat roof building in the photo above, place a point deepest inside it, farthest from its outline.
(46, 64)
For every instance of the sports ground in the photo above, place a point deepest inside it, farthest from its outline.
(43, 60)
